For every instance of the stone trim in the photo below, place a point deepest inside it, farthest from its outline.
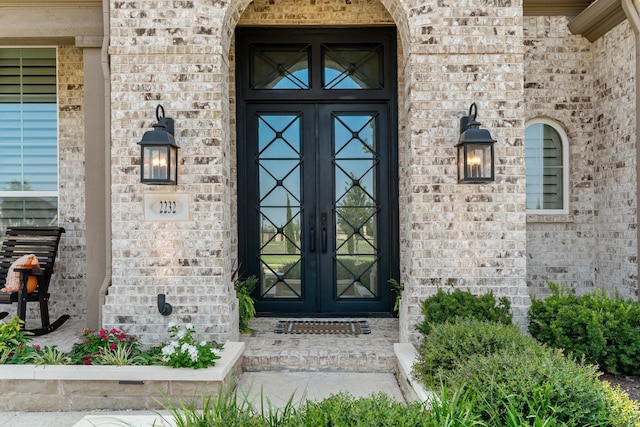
(598, 19)
(94, 387)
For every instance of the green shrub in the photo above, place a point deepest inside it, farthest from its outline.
(457, 304)
(602, 330)
(451, 344)
(541, 383)
(344, 410)
(509, 379)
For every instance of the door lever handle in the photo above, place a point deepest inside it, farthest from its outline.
(312, 239)
(324, 239)
(323, 231)
(312, 233)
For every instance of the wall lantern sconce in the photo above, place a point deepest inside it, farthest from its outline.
(475, 150)
(159, 153)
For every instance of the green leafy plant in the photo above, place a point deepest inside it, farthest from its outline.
(600, 329)
(94, 343)
(12, 335)
(246, 303)
(185, 352)
(226, 409)
(48, 355)
(341, 410)
(448, 306)
(119, 356)
(345, 410)
(397, 289)
(19, 355)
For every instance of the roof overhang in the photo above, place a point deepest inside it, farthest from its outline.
(598, 19)
(554, 7)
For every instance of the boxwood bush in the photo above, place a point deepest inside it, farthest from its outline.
(602, 330)
(448, 306)
(542, 384)
(451, 344)
(513, 380)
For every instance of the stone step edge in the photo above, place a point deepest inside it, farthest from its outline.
(411, 388)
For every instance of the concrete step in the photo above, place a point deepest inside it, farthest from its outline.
(269, 351)
(313, 359)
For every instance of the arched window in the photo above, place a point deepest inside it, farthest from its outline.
(546, 161)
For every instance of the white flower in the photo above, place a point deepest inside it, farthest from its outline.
(181, 333)
(168, 350)
(189, 326)
(203, 343)
(193, 352)
(215, 350)
(171, 325)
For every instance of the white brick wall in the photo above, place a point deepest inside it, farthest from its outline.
(174, 53)
(614, 156)
(590, 90)
(559, 86)
(478, 237)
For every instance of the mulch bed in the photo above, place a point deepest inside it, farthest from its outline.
(627, 383)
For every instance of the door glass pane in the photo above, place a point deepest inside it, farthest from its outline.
(280, 205)
(352, 66)
(280, 67)
(355, 161)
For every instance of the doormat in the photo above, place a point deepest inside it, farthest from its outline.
(322, 327)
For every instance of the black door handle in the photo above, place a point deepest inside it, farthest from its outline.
(323, 224)
(312, 234)
(312, 239)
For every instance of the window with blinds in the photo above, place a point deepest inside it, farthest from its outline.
(28, 137)
(545, 166)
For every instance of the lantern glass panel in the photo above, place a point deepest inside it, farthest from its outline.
(475, 163)
(173, 165)
(156, 163)
(478, 161)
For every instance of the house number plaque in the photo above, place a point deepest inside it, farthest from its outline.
(166, 207)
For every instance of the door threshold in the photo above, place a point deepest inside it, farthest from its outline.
(325, 315)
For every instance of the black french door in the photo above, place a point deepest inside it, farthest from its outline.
(317, 176)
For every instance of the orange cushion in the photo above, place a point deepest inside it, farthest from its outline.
(13, 277)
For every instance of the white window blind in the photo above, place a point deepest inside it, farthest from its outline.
(28, 136)
(544, 161)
